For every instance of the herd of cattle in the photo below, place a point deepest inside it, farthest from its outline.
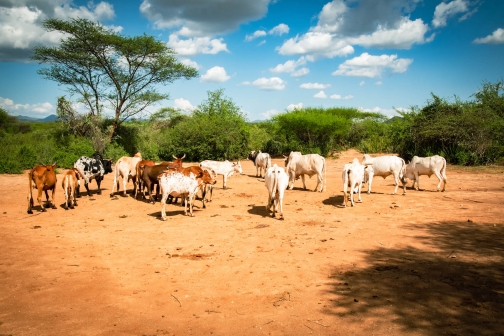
(172, 180)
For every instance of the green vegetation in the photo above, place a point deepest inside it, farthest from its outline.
(105, 69)
(465, 133)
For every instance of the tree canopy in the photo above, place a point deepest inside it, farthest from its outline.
(107, 70)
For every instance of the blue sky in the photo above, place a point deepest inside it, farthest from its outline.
(272, 56)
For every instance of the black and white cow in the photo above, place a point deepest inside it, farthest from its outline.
(93, 168)
(261, 161)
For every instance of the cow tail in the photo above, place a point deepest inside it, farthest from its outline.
(275, 185)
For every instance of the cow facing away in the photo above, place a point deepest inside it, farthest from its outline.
(139, 171)
(92, 168)
(431, 165)
(70, 183)
(353, 175)
(384, 166)
(43, 178)
(261, 161)
(298, 164)
(224, 168)
(276, 180)
(126, 168)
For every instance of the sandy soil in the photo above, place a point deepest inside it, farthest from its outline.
(427, 263)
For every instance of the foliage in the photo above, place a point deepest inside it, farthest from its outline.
(216, 130)
(107, 70)
(317, 130)
(10, 124)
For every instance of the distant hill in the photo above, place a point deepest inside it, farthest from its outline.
(52, 117)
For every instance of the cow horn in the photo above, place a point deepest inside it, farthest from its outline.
(174, 157)
(183, 157)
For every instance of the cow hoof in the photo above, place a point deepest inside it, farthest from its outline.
(281, 218)
(163, 218)
(30, 212)
(54, 207)
(99, 192)
(44, 209)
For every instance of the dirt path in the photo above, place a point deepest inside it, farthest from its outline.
(427, 263)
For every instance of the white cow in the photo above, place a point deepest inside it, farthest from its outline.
(426, 166)
(298, 164)
(178, 185)
(261, 161)
(224, 168)
(385, 166)
(353, 175)
(277, 181)
(126, 168)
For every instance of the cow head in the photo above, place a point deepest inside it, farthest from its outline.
(286, 160)
(177, 162)
(237, 167)
(138, 155)
(208, 178)
(252, 156)
(107, 165)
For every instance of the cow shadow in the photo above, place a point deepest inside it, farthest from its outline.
(169, 213)
(335, 201)
(259, 210)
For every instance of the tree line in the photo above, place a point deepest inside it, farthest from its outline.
(464, 132)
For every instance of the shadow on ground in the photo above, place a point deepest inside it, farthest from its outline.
(455, 286)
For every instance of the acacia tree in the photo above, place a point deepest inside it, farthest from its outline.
(107, 70)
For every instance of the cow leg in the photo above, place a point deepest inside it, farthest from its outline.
(86, 185)
(163, 208)
(359, 186)
(224, 180)
(280, 201)
(30, 195)
(417, 180)
(370, 182)
(303, 179)
(440, 179)
(98, 182)
(125, 183)
(39, 199)
(319, 182)
(53, 197)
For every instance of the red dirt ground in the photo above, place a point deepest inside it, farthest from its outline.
(428, 263)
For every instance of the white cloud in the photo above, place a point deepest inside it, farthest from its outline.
(497, 37)
(268, 84)
(314, 86)
(362, 83)
(189, 62)
(288, 66)
(216, 74)
(403, 37)
(198, 18)
(261, 43)
(279, 30)
(321, 95)
(370, 66)
(270, 113)
(256, 34)
(372, 24)
(197, 45)
(447, 9)
(292, 107)
(300, 73)
(21, 24)
(338, 97)
(183, 104)
(316, 44)
(39, 109)
(378, 83)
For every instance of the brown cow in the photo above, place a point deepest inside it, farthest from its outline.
(42, 178)
(71, 180)
(139, 171)
(150, 175)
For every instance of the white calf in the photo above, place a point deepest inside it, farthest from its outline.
(277, 181)
(353, 175)
(385, 166)
(427, 166)
(126, 168)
